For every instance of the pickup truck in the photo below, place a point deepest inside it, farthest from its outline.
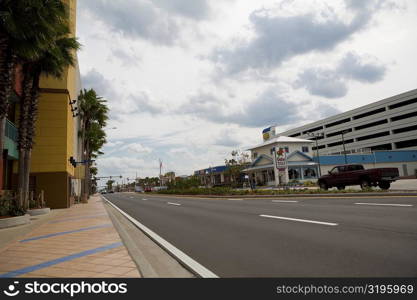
(342, 176)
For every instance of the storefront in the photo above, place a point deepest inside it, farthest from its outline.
(293, 163)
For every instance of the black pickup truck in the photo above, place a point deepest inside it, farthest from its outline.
(342, 176)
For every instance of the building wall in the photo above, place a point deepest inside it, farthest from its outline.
(386, 116)
(292, 147)
(56, 135)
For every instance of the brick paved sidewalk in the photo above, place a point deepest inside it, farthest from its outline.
(81, 242)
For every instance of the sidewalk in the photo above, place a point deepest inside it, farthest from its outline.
(79, 242)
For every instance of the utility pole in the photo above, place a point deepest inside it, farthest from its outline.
(316, 136)
(344, 147)
(160, 172)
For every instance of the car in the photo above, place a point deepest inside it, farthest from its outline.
(355, 174)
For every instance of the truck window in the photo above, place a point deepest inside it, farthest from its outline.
(335, 170)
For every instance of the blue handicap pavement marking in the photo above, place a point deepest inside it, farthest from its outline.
(46, 264)
(63, 232)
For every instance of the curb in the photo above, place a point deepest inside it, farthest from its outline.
(393, 194)
(192, 265)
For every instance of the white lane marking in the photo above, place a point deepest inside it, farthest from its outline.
(235, 199)
(300, 220)
(383, 204)
(285, 201)
(172, 203)
(196, 267)
(145, 199)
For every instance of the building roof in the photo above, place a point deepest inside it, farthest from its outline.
(281, 139)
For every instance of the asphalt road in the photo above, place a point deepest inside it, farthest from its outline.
(305, 237)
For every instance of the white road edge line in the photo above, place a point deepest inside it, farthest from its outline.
(383, 204)
(300, 220)
(172, 203)
(285, 201)
(145, 199)
(196, 267)
(235, 199)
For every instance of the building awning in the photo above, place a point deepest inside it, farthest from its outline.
(258, 168)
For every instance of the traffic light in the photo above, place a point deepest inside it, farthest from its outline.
(72, 161)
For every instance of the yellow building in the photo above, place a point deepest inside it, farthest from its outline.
(56, 137)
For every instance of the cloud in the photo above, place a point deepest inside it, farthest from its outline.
(135, 19)
(137, 148)
(353, 67)
(95, 80)
(268, 108)
(127, 58)
(332, 83)
(114, 144)
(195, 9)
(227, 138)
(279, 38)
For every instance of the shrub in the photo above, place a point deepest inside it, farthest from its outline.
(9, 206)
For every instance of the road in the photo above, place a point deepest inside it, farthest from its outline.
(294, 237)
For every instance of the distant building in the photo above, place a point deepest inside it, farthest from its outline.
(388, 124)
(297, 161)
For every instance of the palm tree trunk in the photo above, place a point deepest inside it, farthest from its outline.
(6, 81)
(23, 133)
(32, 116)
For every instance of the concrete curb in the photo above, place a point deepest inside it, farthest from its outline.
(39, 211)
(293, 195)
(192, 265)
(14, 221)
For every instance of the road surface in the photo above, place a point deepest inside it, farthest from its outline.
(293, 237)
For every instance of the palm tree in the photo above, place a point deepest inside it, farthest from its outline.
(93, 113)
(26, 28)
(52, 62)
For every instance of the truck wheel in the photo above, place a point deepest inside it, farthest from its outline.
(340, 187)
(384, 185)
(323, 186)
(365, 184)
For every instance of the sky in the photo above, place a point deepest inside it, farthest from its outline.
(188, 81)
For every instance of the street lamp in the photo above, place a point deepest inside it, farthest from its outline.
(316, 136)
(343, 141)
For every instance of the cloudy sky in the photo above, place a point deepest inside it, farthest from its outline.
(188, 81)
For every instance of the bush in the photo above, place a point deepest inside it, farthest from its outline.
(9, 206)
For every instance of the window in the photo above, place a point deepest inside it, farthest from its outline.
(313, 129)
(405, 129)
(295, 134)
(340, 143)
(354, 167)
(373, 136)
(403, 103)
(405, 116)
(294, 173)
(255, 155)
(339, 132)
(369, 113)
(286, 149)
(320, 147)
(381, 147)
(406, 144)
(337, 122)
(304, 149)
(309, 173)
(371, 124)
(335, 170)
